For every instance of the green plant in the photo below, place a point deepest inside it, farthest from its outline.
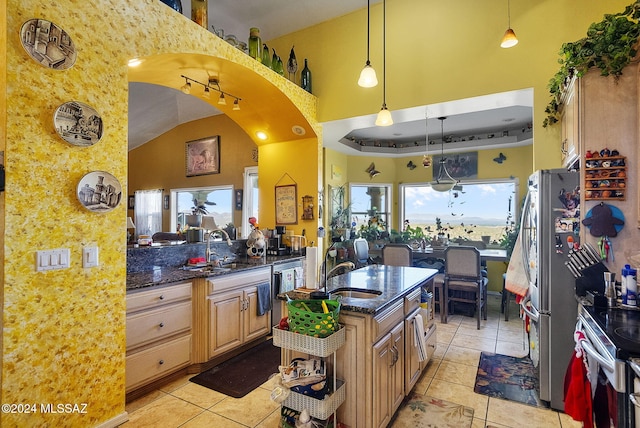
(610, 45)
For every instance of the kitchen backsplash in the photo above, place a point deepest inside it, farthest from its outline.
(142, 259)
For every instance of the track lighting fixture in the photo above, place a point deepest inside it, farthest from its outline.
(509, 39)
(368, 78)
(212, 85)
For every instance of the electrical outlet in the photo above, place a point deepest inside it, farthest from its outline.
(89, 257)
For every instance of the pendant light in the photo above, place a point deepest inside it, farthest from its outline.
(384, 116)
(368, 78)
(443, 182)
(509, 39)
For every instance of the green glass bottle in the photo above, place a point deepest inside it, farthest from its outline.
(280, 67)
(274, 61)
(255, 44)
(305, 77)
(266, 56)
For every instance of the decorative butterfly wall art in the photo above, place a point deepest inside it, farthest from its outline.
(372, 171)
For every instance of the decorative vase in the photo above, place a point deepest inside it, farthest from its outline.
(199, 10)
(173, 4)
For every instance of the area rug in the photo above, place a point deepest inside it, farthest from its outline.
(421, 411)
(509, 378)
(243, 373)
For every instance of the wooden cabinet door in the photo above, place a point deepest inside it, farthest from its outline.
(225, 322)
(382, 360)
(254, 325)
(413, 367)
(397, 367)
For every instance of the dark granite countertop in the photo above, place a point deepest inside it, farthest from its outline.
(161, 275)
(392, 281)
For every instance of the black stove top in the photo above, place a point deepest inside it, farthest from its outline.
(621, 326)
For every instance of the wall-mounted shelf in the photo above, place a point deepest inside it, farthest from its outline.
(605, 178)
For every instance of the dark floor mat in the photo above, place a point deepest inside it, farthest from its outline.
(509, 378)
(243, 373)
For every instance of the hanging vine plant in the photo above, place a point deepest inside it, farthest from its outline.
(610, 45)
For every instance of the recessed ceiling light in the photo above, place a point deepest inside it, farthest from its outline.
(298, 130)
(134, 62)
(261, 135)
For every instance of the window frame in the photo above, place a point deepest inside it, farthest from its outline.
(174, 200)
(388, 212)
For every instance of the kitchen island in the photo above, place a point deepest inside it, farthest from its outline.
(379, 361)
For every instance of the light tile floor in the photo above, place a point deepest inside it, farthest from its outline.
(450, 375)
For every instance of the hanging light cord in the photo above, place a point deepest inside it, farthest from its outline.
(509, 12)
(384, 53)
(368, 31)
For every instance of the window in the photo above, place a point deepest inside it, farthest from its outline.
(148, 212)
(250, 199)
(370, 204)
(217, 201)
(479, 210)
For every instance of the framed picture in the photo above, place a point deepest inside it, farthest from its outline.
(286, 205)
(132, 202)
(166, 202)
(460, 165)
(203, 156)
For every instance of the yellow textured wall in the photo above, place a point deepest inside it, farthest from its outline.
(440, 51)
(63, 332)
(160, 163)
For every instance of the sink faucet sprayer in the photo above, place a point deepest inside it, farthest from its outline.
(208, 251)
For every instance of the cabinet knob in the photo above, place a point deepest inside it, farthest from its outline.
(161, 297)
(161, 325)
(161, 362)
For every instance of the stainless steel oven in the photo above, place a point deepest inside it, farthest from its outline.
(613, 342)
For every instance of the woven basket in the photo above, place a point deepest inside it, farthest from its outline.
(307, 317)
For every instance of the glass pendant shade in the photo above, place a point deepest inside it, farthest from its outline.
(384, 117)
(509, 39)
(444, 182)
(368, 78)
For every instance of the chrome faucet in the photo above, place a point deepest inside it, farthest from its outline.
(208, 250)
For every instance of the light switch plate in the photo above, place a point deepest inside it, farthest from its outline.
(52, 259)
(89, 257)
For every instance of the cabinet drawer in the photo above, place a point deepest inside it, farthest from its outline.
(384, 321)
(431, 340)
(240, 279)
(412, 301)
(156, 324)
(158, 361)
(158, 296)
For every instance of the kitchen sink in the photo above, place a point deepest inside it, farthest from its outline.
(356, 293)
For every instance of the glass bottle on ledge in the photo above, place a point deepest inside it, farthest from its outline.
(255, 44)
(305, 77)
(199, 9)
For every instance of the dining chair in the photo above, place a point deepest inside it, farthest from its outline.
(464, 281)
(397, 255)
(361, 250)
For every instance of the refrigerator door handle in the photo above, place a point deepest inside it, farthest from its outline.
(530, 310)
(526, 213)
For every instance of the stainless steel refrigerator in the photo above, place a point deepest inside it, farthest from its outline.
(549, 226)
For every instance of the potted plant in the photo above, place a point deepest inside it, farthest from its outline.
(197, 211)
(610, 45)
